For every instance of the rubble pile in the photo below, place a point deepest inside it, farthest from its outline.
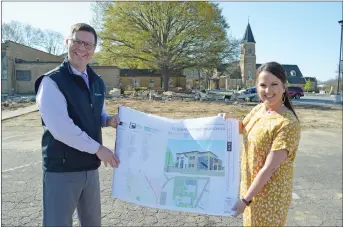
(172, 96)
(17, 101)
(12, 102)
(114, 92)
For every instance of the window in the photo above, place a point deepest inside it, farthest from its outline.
(249, 51)
(23, 75)
(171, 84)
(3, 66)
(249, 75)
(135, 83)
(203, 163)
(181, 164)
(151, 83)
(293, 73)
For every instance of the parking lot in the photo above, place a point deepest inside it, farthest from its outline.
(317, 197)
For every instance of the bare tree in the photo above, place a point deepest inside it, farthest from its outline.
(52, 42)
(13, 31)
(26, 34)
(31, 35)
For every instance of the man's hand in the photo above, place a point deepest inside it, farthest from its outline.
(113, 121)
(107, 156)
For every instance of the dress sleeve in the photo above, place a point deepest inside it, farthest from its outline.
(287, 137)
(250, 114)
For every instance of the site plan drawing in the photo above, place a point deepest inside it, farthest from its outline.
(189, 165)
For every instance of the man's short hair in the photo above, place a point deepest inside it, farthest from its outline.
(83, 27)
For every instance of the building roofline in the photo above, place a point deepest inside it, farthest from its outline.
(281, 64)
(197, 152)
(104, 66)
(9, 41)
(21, 61)
(143, 73)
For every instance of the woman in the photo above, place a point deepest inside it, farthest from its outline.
(271, 133)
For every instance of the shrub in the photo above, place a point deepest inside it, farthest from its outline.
(140, 88)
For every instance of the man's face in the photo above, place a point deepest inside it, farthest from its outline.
(81, 48)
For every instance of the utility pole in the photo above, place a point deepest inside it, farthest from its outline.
(340, 58)
(339, 92)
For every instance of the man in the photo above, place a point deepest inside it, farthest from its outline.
(70, 99)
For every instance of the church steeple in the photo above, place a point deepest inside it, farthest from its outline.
(248, 36)
(248, 57)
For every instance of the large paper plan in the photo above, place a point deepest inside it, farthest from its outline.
(189, 165)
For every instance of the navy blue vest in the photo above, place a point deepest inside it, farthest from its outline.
(84, 108)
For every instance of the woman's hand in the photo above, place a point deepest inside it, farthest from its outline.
(239, 208)
(223, 115)
(240, 123)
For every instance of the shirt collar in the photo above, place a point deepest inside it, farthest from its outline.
(77, 72)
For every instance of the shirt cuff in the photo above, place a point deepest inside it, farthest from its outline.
(93, 147)
(104, 119)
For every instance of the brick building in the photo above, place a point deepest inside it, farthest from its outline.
(22, 65)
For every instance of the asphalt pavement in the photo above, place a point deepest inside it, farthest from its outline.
(317, 100)
(317, 195)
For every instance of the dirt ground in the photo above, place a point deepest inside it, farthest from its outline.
(311, 117)
(15, 106)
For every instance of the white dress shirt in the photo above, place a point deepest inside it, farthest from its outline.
(53, 109)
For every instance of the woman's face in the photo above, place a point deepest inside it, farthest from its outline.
(270, 89)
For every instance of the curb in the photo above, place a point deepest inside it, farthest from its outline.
(16, 113)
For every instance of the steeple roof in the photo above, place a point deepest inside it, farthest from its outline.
(248, 36)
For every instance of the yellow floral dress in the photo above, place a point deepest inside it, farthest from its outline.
(263, 134)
